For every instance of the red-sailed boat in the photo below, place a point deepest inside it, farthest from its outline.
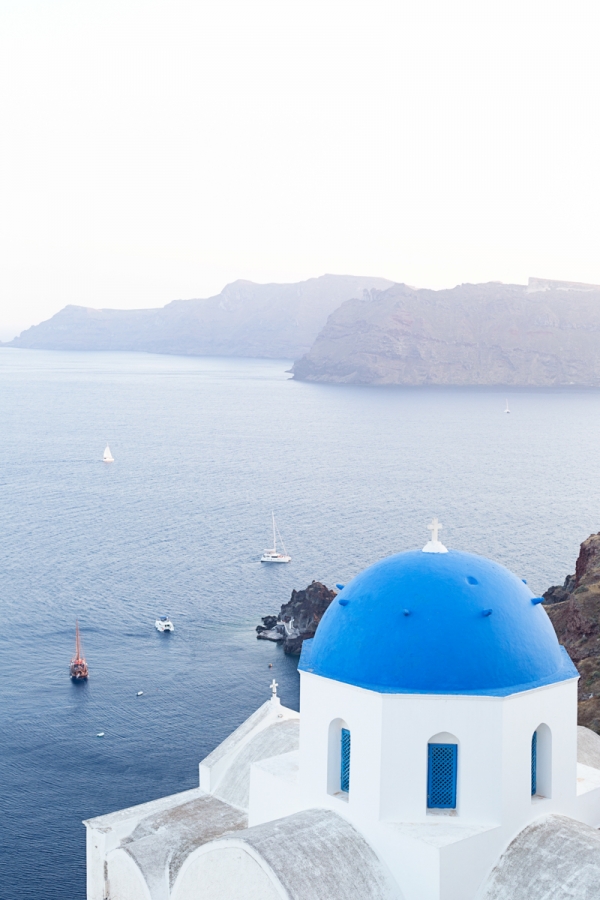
(78, 667)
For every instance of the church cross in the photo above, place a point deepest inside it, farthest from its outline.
(274, 687)
(434, 528)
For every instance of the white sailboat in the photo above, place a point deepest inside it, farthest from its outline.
(271, 555)
(507, 410)
(108, 457)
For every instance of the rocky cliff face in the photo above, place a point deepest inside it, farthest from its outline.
(277, 321)
(545, 334)
(297, 619)
(574, 610)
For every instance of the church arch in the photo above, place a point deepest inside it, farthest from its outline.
(541, 762)
(442, 772)
(312, 854)
(338, 758)
(124, 877)
(229, 870)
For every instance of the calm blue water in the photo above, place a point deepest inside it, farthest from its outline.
(204, 449)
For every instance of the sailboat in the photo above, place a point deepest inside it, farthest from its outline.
(78, 667)
(507, 410)
(271, 555)
(108, 457)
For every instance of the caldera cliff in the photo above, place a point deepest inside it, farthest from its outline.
(545, 334)
(574, 609)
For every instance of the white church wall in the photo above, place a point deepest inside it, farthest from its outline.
(216, 764)
(278, 739)
(324, 702)
(124, 880)
(552, 710)
(587, 802)
(274, 789)
(389, 738)
(465, 864)
(95, 855)
(414, 864)
(215, 872)
(410, 723)
(105, 833)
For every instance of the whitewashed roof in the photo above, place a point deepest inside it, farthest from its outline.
(317, 855)
(556, 858)
(161, 842)
(588, 748)
(283, 737)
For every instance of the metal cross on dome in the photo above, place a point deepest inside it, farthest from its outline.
(434, 528)
(274, 687)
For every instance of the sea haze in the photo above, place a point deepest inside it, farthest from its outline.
(204, 448)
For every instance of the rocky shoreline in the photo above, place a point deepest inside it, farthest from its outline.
(297, 619)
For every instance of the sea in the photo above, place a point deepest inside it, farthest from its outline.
(205, 449)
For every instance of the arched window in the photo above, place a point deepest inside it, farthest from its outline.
(338, 765)
(442, 772)
(541, 762)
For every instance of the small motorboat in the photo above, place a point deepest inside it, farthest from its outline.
(164, 624)
(100, 734)
(108, 457)
(272, 555)
(78, 667)
(139, 694)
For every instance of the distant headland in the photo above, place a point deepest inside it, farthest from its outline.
(270, 321)
(345, 329)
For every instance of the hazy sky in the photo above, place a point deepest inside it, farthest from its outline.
(154, 150)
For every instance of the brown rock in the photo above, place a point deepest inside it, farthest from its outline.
(299, 617)
(306, 607)
(558, 593)
(576, 620)
(587, 568)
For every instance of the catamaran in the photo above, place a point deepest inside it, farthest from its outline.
(164, 624)
(108, 457)
(78, 667)
(271, 555)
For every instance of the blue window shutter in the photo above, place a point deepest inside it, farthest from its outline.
(441, 776)
(345, 773)
(534, 763)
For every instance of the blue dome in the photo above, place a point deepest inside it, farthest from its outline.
(437, 623)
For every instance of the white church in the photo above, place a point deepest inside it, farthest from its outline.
(436, 756)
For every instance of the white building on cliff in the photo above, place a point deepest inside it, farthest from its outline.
(435, 757)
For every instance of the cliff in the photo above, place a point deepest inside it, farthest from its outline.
(545, 334)
(277, 321)
(298, 619)
(574, 609)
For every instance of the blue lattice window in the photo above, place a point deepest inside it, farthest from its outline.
(534, 763)
(345, 769)
(441, 776)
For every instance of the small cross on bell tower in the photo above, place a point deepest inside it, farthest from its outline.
(274, 698)
(434, 545)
